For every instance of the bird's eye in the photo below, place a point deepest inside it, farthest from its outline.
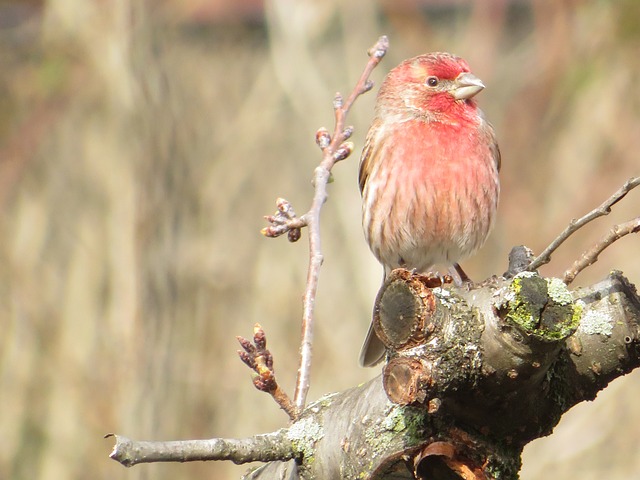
(432, 81)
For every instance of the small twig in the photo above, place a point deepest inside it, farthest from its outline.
(338, 150)
(334, 148)
(284, 221)
(260, 448)
(574, 225)
(591, 256)
(256, 356)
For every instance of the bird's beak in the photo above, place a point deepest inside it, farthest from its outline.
(466, 86)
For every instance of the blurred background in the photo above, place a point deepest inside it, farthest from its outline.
(142, 141)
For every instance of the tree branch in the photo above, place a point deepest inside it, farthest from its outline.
(336, 151)
(591, 256)
(575, 225)
(256, 356)
(497, 366)
(334, 148)
(261, 448)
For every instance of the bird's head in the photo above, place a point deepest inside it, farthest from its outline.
(433, 84)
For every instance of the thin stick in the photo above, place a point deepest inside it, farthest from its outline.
(260, 448)
(591, 256)
(575, 225)
(334, 152)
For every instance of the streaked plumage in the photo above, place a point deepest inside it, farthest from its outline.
(428, 172)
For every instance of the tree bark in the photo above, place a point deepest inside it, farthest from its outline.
(472, 376)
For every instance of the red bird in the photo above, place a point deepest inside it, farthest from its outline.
(428, 172)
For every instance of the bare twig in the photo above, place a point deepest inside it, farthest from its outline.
(260, 448)
(256, 356)
(574, 225)
(337, 150)
(334, 148)
(284, 221)
(591, 256)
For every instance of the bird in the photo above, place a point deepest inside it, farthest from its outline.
(428, 173)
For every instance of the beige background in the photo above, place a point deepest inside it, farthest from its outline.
(142, 141)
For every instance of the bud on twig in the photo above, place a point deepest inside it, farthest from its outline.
(269, 232)
(338, 101)
(380, 48)
(285, 207)
(347, 132)
(283, 222)
(247, 359)
(294, 235)
(368, 85)
(259, 337)
(323, 138)
(343, 152)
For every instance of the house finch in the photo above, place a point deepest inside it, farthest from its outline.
(428, 172)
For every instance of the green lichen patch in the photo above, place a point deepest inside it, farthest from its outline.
(542, 307)
(303, 435)
(402, 422)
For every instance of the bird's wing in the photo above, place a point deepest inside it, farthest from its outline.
(495, 151)
(491, 140)
(371, 145)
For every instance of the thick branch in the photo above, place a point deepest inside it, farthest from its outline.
(607, 342)
(494, 368)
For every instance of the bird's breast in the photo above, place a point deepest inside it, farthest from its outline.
(437, 188)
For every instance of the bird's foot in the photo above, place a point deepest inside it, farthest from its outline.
(460, 278)
(435, 279)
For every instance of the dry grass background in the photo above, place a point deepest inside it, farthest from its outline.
(142, 141)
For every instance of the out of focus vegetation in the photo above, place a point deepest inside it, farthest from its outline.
(142, 141)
